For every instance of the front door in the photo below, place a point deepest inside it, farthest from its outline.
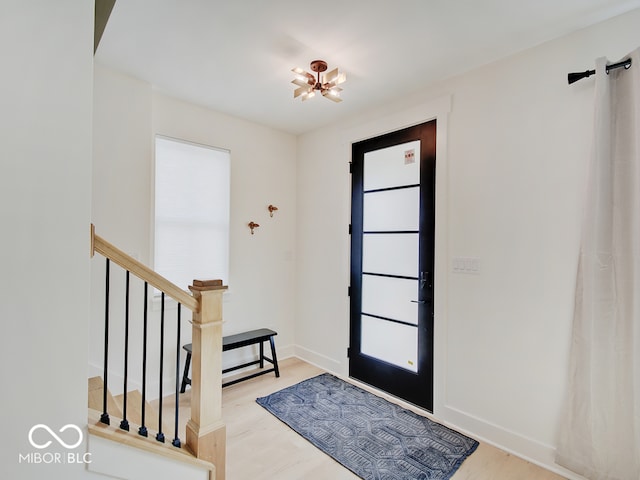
(392, 259)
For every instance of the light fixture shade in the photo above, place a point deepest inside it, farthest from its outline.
(303, 76)
(334, 77)
(332, 95)
(302, 91)
(302, 83)
(307, 83)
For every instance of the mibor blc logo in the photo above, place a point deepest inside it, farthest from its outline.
(70, 441)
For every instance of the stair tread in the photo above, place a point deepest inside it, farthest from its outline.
(95, 398)
(134, 410)
(115, 406)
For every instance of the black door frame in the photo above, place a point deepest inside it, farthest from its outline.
(416, 388)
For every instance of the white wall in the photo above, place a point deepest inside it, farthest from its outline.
(45, 194)
(128, 113)
(509, 186)
(513, 147)
(137, 464)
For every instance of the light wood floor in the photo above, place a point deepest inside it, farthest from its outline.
(261, 447)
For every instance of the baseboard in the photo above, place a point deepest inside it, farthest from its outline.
(285, 352)
(317, 359)
(116, 380)
(514, 443)
(240, 356)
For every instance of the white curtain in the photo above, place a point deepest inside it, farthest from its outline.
(600, 426)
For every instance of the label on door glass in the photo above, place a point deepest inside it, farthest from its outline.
(409, 156)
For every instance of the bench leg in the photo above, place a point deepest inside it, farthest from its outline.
(273, 355)
(261, 355)
(185, 376)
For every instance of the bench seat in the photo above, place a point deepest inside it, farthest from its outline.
(239, 340)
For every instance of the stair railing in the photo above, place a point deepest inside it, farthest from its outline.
(205, 431)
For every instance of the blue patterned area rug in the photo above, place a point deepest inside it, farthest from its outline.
(372, 437)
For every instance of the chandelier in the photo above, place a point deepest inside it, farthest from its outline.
(308, 84)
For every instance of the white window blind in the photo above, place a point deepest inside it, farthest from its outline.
(192, 190)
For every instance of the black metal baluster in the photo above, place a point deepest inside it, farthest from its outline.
(176, 440)
(143, 429)
(124, 424)
(104, 418)
(160, 435)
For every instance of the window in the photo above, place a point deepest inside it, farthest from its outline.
(192, 190)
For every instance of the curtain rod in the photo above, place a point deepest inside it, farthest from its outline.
(574, 77)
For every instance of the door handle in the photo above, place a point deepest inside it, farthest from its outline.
(418, 301)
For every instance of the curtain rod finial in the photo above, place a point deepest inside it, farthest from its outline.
(574, 77)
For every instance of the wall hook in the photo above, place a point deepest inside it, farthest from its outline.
(272, 208)
(253, 225)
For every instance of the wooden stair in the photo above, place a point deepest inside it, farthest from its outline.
(134, 416)
(115, 407)
(134, 413)
(95, 398)
(134, 410)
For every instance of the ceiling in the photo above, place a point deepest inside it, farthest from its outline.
(236, 56)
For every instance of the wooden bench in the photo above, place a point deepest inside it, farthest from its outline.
(239, 340)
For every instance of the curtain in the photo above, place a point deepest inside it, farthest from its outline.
(600, 425)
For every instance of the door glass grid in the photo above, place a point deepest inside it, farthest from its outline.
(390, 254)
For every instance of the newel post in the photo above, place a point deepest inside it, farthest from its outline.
(206, 432)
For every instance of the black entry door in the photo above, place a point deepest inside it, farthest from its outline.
(392, 259)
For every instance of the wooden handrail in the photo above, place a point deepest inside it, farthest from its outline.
(205, 430)
(113, 253)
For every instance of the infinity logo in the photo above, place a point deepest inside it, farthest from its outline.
(53, 434)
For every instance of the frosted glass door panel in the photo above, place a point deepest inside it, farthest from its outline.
(390, 298)
(392, 210)
(390, 342)
(392, 167)
(391, 254)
